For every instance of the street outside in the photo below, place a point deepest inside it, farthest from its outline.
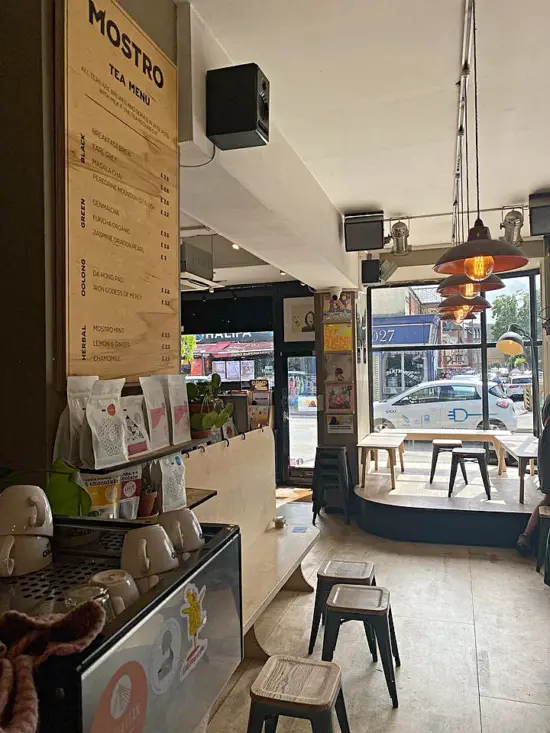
(303, 435)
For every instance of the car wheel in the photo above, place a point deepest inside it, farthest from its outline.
(493, 425)
(380, 423)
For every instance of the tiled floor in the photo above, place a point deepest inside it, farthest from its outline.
(473, 627)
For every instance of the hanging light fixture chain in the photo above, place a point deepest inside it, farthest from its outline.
(476, 104)
(467, 157)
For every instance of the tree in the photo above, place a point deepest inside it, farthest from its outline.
(188, 346)
(508, 309)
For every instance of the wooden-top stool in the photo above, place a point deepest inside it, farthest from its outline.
(444, 446)
(337, 572)
(371, 605)
(472, 455)
(297, 688)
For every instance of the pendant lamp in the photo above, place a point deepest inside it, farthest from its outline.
(480, 256)
(462, 285)
(456, 302)
(452, 317)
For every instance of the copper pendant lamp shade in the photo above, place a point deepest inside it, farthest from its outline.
(480, 256)
(456, 302)
(460, 285)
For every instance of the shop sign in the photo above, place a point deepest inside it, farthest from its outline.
(120, 143)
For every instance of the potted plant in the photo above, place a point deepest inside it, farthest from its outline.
(206, 408)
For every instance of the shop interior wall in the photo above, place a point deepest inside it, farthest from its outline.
(27, 367)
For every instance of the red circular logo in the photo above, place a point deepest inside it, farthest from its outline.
(123, 704)
(111, 409)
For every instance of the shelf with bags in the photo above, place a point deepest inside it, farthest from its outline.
(168, 450)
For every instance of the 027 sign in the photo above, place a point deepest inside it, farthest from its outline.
(383, 335)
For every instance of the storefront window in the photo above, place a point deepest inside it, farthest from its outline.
(439, 383)
(236, 357)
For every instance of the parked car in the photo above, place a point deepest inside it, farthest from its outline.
(515, 389)
(445, 404)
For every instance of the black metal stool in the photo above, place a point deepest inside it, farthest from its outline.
(297, 688)
(470, 455)
(337, 572)
(444, 446)
(371, 605)
(332, 480)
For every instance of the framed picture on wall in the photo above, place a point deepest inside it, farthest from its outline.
(339, 310)
(299, 319)
(338, 336)
(338, 368)
(339, 398)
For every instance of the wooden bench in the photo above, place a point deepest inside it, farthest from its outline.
(243, 473)
(524, 448)
(429, 434)
(272, 563)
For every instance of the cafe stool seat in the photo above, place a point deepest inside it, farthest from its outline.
(371, 605)
(332, 573)
(470, 455)
(442, 446)
(297, 688)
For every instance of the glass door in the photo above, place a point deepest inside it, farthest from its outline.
(300, 417)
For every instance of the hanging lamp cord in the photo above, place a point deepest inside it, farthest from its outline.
(476, 105)
(467, 157)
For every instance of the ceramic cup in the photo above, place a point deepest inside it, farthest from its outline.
(145, 584)
(184, 529)
(21, 554)
(148, 551)
(120, 586)
(25, 510)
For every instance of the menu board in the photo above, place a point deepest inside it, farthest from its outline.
(121, 196)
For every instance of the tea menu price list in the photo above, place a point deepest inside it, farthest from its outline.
(122, 201)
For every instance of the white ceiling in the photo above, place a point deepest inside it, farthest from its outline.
(236, 267)
(364, 90)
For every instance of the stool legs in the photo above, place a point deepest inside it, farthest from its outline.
(452, 477)
(485, 476)
(371, 640)
(322, 722)
(256, 719)
(394, 641)
(271, 724)
(332, 628)
(341, 713)
(382, 629)
(435, 455)
(318, 612)
(463, 469)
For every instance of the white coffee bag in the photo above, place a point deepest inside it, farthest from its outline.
(168, 478)
(157, 412)
(78, 393)
(175, 394)
(105, 428)
(136, 430)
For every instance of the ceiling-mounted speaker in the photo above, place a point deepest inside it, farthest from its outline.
(539, 213)
(370, 272)
(237, 107)
(364, 232)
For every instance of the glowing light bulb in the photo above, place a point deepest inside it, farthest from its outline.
(479, 268)
(469, 290)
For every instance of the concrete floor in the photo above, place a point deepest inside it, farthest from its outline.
(473, 631)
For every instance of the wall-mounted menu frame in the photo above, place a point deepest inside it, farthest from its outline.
(119, 252)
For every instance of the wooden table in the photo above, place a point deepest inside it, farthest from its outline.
(524, 448)
(382, 441)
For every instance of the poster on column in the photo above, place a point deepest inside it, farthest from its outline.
(121, 196)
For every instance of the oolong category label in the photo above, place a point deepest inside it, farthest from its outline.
(121, 172)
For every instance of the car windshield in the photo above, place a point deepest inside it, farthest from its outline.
(521, 380)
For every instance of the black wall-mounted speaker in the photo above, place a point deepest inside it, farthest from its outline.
(370, 272)
(364, 232)
(539, 213)
(237, 107)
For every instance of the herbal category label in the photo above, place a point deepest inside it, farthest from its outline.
(122, 253)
